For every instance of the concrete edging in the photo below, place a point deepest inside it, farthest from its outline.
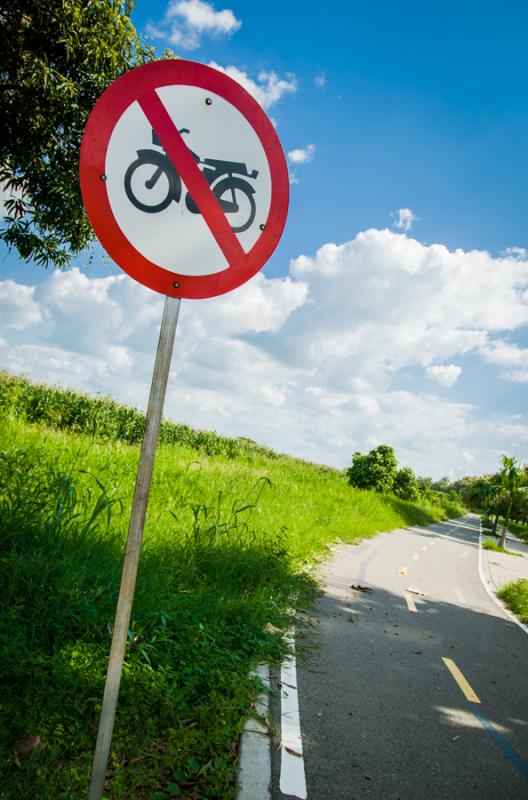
(254, 766)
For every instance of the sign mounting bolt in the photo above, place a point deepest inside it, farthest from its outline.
(208, 101)
(176, 284)
(262, 227)
(102, 177)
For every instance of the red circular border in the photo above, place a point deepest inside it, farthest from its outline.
(102, 121)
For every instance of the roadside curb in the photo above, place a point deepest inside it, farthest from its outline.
(254, 766)
(489, 585)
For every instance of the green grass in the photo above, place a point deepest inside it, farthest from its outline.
(515, 595)
(229, 546)
(519, 530)
(489, 544)
(105, 420)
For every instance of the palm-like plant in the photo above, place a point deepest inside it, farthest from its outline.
(511, 475)
(486, 494)
(495, 500)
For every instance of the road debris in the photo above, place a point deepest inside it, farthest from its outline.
(293, 752)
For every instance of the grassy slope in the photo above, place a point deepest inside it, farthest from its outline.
(226, 544)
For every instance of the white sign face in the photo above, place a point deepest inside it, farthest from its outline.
(151, 203)
(183, 179)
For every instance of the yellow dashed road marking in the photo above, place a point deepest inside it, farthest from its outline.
(463, 685)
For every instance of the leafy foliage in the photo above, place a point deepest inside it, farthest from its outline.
(376, 470)
(511, 478)
(57, 57)
(405, 484)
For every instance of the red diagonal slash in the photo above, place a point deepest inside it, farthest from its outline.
(181, 157)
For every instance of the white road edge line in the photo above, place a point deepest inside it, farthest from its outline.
(292, 777)
(254, 764)
(488, 583)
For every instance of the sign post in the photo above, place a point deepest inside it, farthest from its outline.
(135, 534)
(186, 186)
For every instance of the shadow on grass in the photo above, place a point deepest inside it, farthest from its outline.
(208, 586)
(412, 514)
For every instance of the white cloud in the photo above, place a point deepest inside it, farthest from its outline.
(202, 16)
(18, 309)
(444, 374)
(519, 253)
(320, 80)
(505, 354)
(302, 155)
(404, 219)
(305, 363)
(267, 89)
(257, 306)
(186, 21)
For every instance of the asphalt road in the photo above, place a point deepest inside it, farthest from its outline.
(383, 716)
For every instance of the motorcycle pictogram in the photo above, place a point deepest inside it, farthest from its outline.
(226, 179)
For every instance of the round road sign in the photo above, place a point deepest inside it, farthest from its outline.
(183, 179)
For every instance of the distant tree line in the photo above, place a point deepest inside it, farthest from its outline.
(503, 494)
(378, 470)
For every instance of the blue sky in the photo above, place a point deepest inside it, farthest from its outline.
(406, 321)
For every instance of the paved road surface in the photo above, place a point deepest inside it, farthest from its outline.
(382, 714)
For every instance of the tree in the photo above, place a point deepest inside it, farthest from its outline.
(441, 485)
(479, 493)
(376, 470)
(484, 494)
(57, 57)
(511, 476)
(405, 484)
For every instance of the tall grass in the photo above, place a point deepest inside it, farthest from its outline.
(515, 595)
(229, 545)
(209, 583)
(105, 420)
